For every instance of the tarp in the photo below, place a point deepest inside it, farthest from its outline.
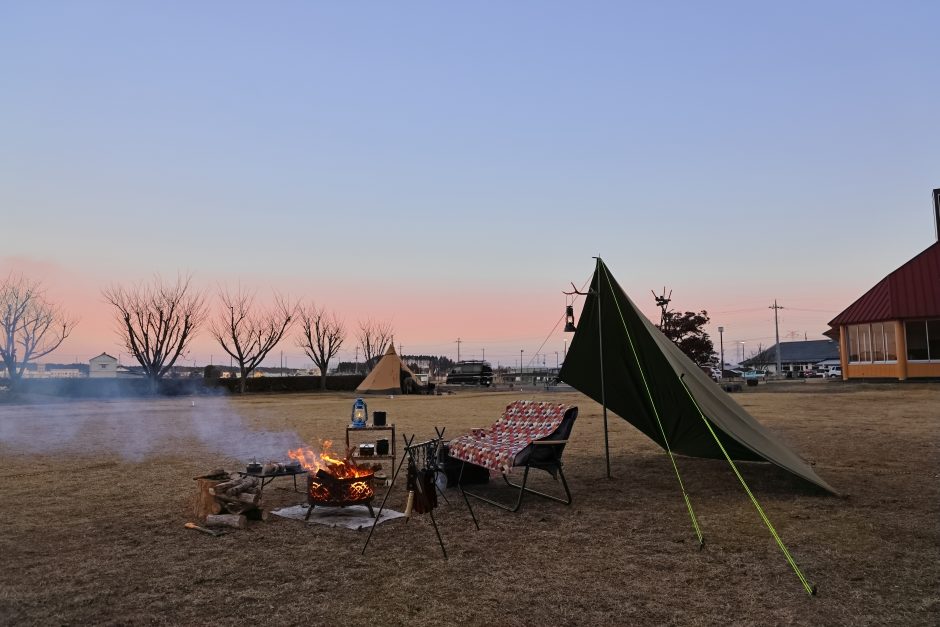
(388, 375)
(646, 375)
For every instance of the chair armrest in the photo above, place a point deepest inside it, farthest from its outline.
(549, 442)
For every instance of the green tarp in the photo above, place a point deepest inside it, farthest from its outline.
(646, 375)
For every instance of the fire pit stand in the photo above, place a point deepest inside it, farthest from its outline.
(325, 490)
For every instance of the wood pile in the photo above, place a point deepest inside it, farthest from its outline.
(228, 500)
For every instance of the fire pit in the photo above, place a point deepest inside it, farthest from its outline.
(328, 491)
(334, 482)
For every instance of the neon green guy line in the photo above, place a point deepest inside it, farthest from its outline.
(649, 394)
(809, 589)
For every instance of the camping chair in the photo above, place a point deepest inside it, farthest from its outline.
(527, 435)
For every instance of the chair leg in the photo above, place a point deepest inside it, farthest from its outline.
(522, 488)
(464, 493)
(509, 508)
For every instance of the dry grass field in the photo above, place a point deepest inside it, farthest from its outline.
(94, 494)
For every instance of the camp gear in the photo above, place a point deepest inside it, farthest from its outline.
(650, 383)
(620, 359)
(527, 435)
(360, 413)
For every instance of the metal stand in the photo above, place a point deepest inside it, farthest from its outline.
(426, 454)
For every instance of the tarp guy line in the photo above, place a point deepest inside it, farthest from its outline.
(688, 503)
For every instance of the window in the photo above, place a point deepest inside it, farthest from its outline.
(864, 342)
(873, 342)
(916, 332)
(877, 342)
(891, 347)
(853, 342)
(933, 340)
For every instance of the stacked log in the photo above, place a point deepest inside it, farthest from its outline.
(222, 497)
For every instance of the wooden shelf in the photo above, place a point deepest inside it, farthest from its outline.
(371, 430)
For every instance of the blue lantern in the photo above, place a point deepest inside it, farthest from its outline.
(360, 413)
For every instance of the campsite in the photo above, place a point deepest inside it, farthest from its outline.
(93, 530)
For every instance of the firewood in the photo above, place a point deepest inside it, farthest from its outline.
(227, 520)
(206, 503)
(239, 508)
(225, 485)
(235, 487)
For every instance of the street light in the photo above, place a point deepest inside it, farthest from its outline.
(742, 351)
(520, 361)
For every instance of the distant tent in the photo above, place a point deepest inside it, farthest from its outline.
(654, 386)
(390, 376)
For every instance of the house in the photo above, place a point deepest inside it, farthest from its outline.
(103, 366)
(893, 330)
(795, 356)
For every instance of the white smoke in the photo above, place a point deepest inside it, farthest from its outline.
(137, 429)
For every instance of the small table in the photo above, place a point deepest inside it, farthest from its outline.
(268, 478)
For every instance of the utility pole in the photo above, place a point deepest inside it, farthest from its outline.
(520, 361)
(357, 360)
(777, 307)
(721, 340)
(458, 348)
(484, 355)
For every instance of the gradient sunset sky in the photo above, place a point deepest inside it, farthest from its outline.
(452, 167)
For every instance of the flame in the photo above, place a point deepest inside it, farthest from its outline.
(327, 461)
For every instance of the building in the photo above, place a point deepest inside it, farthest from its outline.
(796, 356)
(893, 330)
(103, 366)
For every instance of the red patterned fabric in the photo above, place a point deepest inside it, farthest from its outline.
(496, 448)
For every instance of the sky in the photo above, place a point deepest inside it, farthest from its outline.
(450, 168)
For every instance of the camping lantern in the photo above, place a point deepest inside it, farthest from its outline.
(569, 319)
(360, 413)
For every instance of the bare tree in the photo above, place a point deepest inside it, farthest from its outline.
(247, 332)
(373, 338)
(321, 337)
(156, 321)
(31, 326)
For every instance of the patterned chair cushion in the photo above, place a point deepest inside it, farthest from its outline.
(496, 448)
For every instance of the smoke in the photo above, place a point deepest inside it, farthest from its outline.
(139, 429)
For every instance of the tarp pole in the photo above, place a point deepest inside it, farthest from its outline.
(600, 339)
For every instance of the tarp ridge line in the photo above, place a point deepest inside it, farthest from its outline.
(811, 590)
(649, 394)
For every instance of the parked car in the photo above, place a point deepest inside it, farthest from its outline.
(834, 372)
(471, 373)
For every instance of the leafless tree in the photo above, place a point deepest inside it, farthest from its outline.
(248, 332)
(156, 321)
(31, 326)
(373, 338)
(321, 338)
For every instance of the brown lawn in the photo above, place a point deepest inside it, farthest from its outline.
(92, 526)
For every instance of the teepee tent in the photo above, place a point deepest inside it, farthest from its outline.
(388, 376)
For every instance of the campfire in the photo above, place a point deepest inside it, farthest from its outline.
(334, 482)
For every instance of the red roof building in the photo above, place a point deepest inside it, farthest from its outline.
(893, 330)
